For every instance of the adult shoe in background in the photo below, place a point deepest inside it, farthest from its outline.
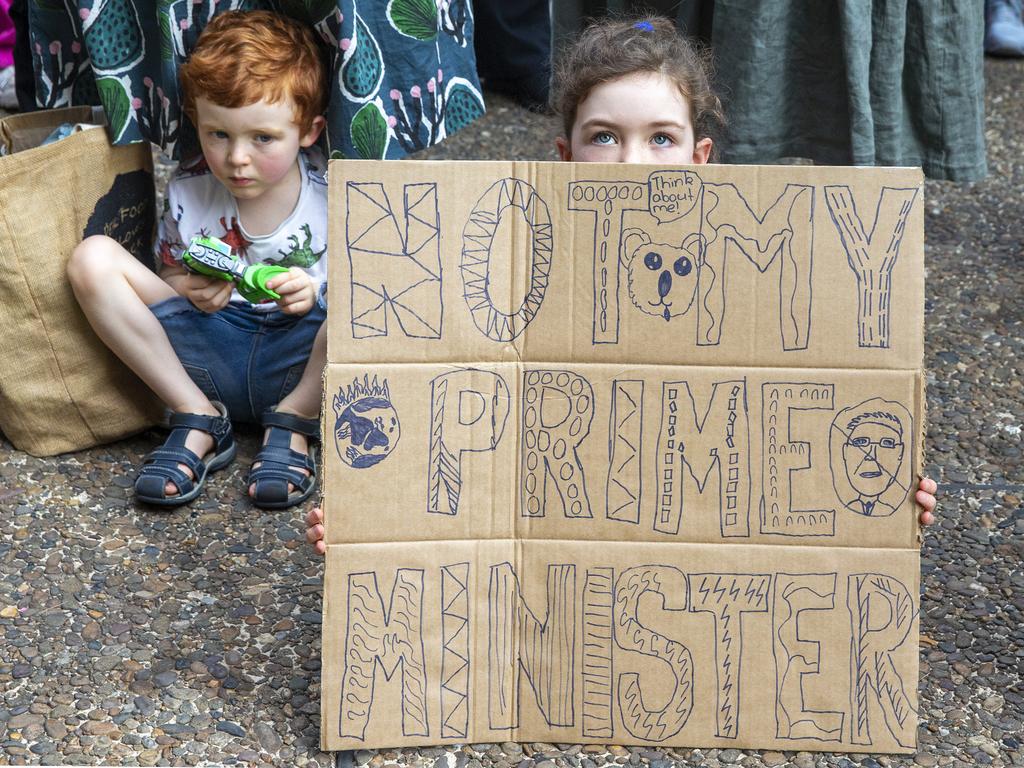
(1004, 29)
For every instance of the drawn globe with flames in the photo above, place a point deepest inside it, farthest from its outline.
(366, 426)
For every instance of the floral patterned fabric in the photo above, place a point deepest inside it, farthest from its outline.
(403, 72)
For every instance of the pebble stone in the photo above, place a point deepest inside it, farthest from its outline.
(133, 637)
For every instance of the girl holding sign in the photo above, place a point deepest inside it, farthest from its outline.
(637, 92)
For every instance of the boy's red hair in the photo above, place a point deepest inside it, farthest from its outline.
(243, 57)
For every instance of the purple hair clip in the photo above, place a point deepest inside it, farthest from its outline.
(644, 26)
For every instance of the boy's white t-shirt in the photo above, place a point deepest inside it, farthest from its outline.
(198, 204)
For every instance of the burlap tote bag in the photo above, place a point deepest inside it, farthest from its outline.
(60, 388)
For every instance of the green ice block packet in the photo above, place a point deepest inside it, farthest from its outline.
(213, 257)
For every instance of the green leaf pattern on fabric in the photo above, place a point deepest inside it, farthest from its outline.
(117, 103)
(370, 133)
(414, 18)
(166, 40)
(403, 74)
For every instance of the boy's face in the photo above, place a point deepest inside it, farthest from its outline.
(252, 149)
(638, 118)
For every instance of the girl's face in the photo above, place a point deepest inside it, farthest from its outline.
(638, 118)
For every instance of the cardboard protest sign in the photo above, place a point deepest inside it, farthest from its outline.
(622, 454)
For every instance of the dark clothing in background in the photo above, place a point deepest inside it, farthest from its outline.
(863, 82)
(513, 48)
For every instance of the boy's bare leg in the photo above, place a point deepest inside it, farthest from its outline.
(305, 399)
(114, 291)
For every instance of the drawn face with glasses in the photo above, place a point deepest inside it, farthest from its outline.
(873, 453)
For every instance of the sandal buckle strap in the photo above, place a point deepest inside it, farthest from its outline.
(307, 427)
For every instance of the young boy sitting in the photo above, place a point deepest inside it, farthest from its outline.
(255, 87)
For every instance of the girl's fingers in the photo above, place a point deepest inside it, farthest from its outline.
(315, 534)
(929, 485)
(925, 499)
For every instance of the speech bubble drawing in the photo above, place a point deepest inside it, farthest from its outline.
(672, 194)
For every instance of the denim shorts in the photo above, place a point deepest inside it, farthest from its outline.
(247, 359)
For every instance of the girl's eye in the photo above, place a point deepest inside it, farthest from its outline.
(661, 140)
(264, 139)
(218, 134)
(603, 137)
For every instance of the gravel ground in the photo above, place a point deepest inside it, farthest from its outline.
(193, 638)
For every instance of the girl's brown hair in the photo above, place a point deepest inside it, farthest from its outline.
(611, 48)
(243, 57)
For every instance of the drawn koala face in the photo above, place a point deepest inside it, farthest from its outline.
(662, 278)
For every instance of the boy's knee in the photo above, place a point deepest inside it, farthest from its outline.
(91, 260)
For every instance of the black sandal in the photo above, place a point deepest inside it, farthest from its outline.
(279, 465)
(161, 465)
